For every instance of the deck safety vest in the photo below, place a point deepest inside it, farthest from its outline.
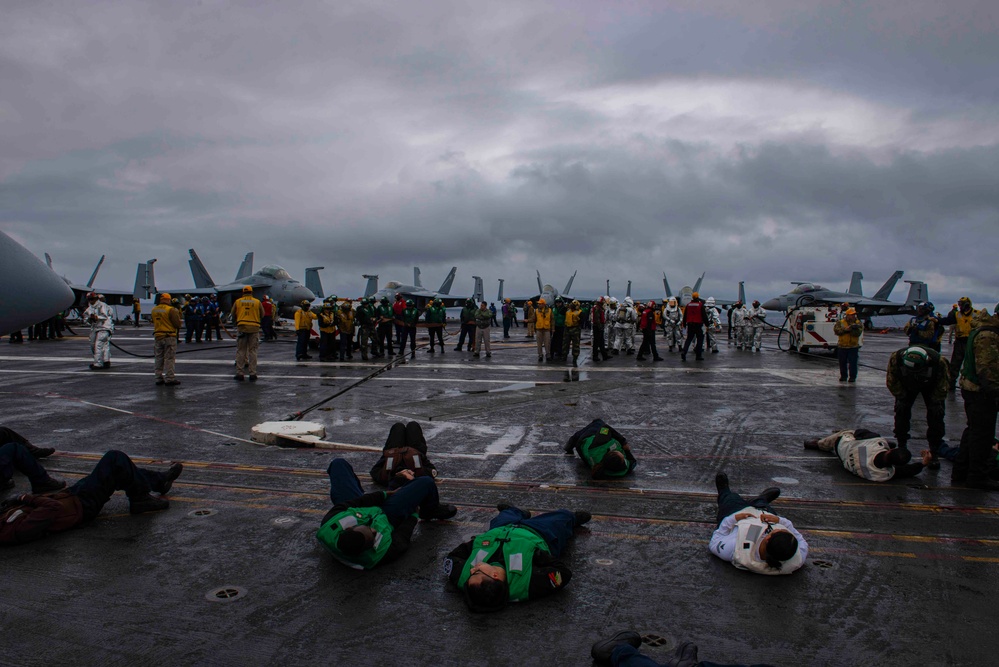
(518, 545)
(373, 517)
(543, 319)
(596, 447)
(248, 311)
(162, 326)
(747, 552)
(858, 457)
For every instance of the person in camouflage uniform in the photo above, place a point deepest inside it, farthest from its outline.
(975, 463)
(917, 371)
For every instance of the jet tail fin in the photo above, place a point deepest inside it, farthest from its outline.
(93, 276)
(541, 287)
(856, 288)
(312, 281)
(697, 285)
(246, 268)
(628, 293)
(478, 294)
(889, 285)
(416, 277)
(145, 282)
(742, 291)
(499, 296)
(568, 285)
(608, 287)
(917, 293)
(372, 285)
(199, 272)
(669, 292)
(446, 285)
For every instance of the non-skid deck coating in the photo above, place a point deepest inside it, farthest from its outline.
(899, 573)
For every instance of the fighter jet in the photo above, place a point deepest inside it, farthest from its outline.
(111, 297)
(31, 292)
(272, 281)
(545, 291)
(805, 294)
(686, 293)
(418, 293)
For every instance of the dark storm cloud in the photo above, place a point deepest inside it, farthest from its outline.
(759, 143)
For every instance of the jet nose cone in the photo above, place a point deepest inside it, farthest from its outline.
(302, 294)
(772, 304)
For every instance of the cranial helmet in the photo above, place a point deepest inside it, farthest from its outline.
(711, 301)
(306, 303)
(672, 301)
(409, 302)
(246, 288)
(915, 358)
(628, 301)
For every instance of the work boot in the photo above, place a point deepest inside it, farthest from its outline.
(685, 655)
(172, 383)
(602, 650)
(458, 349)
(812, 444)
(582, 517)
(488, 354)
(540, 358)
(574, 358)
(253, 377)
(172, 473)
(147, 503)
(721, 482)
(48, 486)
(769, 495)
(639, 358)
(39, 452)
(442, 512)
(431, 351)
(934, 463)
(504, 505)
(160, 380)
(698, 358)
(657, 359)
(714, 351)
(107, 364)
(476, 355)
(238, 377)
(683, 356)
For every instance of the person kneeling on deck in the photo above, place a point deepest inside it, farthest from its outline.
(603, 449)
(30, 517)
(866, 454)
(515, 560)
(751, 536)
(404, 457)
(365, 529)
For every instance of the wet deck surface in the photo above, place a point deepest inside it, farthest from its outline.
(900, 573)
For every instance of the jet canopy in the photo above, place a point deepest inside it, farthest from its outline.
(275, 272)
(393, 284)
(805, 288)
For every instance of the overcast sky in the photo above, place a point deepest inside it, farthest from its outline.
(759, 141)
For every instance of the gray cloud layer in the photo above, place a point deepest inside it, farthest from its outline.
(787, 142)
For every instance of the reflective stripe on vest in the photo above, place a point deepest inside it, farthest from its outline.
(247, 311)
(329, 533)
(858, 457)
(596, 447)
(747, 547)
(518, 544)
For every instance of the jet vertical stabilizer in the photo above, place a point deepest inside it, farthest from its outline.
(541, 288)
(742, 291)
(145, 281)
(416, 277)
(199, 272)
(889, 285)
(372, 285)
(446, 285)
(628, 292)
(312, 281)
(669, 292)
(608, 288)
(856, 287)
(697, 285)
(499, 296)
(478, 294)
(93, 276)
(246, 268)
(568, 285)
(917, 293)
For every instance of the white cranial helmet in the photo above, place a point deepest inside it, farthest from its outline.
(710, 301)
(628, 301)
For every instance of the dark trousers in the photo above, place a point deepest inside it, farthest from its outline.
(192, 329)
(694, 331)
(346, 345)
(408, 333)
(599, 344)
(555, 527)
(934, 416)
(15, 456)
(327, 344)
(957, 359)
(267, 324)
(384, 335)
(975, 458)
(848, 357)
(648, 344)
(114, 472)
(466, 330)
(10, 435)
(438, 333)
(406, 435)
(590, 429)
(730, 502)
(626, 655)
(506, 327)
(558, 336)
(420, 493)
(302, 343)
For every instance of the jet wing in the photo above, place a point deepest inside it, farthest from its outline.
(112, 297)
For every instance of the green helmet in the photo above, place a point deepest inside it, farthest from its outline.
(915, 358)
(409, 302)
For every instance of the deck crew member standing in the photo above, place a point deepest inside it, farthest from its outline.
(851, 338)
(166, 324)
(543, 330)
(247, 314)
(304, 317)
(960, 317)
(980, 390)
(572, 330)
(917, 371)
(694, 318)
(483, 316)
(599, 344)
(436, 314)
(345, 323)
(101, 319)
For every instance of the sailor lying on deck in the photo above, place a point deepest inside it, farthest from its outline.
(866, 454)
